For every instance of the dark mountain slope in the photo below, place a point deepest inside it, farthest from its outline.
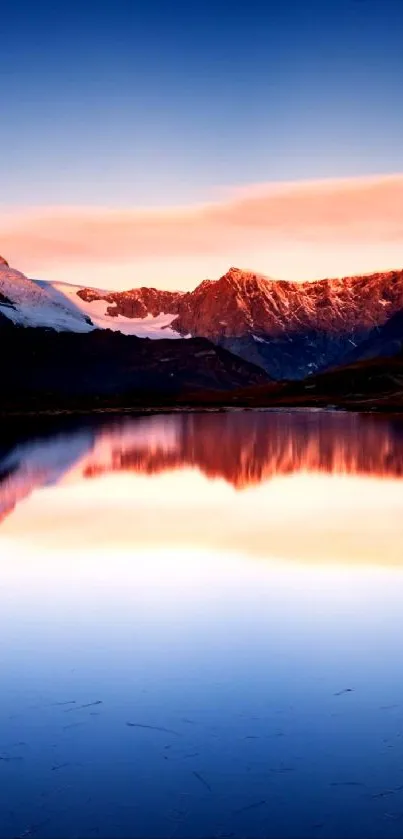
(366, 385)
(43, 366)
(385, 340)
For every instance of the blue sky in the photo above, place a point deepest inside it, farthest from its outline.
(161, 103)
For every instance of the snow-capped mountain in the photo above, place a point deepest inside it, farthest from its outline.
(290, 329)
(63, 307)
(30, 303)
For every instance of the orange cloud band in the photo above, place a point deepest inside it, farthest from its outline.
(296, 230)
(355, 211)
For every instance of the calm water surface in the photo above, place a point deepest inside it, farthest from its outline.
(201, 627)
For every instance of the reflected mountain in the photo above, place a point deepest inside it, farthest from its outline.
(39, 462)
(241, 448)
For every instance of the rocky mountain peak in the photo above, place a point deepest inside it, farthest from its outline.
(242, 277)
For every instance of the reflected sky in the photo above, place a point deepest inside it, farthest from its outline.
(201, 622)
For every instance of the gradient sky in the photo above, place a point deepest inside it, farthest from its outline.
(125, 105)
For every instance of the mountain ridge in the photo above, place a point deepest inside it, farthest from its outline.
(291, 330)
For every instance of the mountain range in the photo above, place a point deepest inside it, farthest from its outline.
(290, 329)
(242, 331)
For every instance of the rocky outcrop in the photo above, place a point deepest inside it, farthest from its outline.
(137, 303)
(291, 329)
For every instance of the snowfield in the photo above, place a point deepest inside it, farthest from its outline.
(32, 305)
(57, 306)
(148, 327)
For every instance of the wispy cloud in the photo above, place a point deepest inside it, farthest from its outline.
(355, 212)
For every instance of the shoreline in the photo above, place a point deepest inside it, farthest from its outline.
(145, 410)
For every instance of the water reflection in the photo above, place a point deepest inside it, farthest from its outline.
(258, 483)
(201, 621)
(243, 448)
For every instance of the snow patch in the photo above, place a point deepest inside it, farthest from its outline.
(148, 327)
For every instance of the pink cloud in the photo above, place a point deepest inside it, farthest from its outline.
(319, 214)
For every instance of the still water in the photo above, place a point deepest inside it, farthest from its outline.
(201, 627)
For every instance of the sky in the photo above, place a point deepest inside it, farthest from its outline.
(158, 143)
